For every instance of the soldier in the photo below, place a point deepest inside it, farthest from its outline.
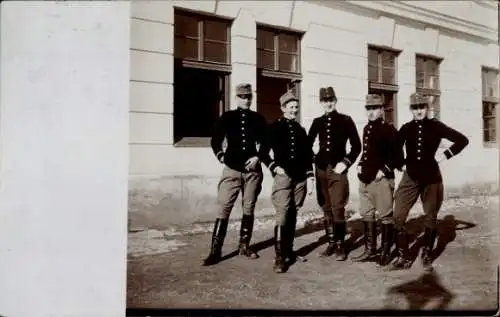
(243, 129)
(376, 175)
(422, 176)
(291, 167)
(332, 164)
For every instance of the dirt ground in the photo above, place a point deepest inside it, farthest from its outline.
(465, 276)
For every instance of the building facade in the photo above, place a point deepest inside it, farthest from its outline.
(187, 57)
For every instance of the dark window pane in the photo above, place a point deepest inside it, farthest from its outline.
(419, 65)
(215, 52)
(373, 73)
(488, 109)
(388, 59)
(265, 59)
(206, 102)
(185, 26)
(215, 30)
(265, 39)
(186, 48)
(420, 80)
(388, 75)
(432, 67)
(288, 43)
(288, 62)
(372, 57)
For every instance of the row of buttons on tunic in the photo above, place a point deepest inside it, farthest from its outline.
(292, 141)
(419, 144)
(243, 130)
(328, 134)
(366, 142)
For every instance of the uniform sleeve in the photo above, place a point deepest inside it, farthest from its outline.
(399, 158)
(218, 137)
(313, 133)
(266, 145)
(459, 140)
(394, 152)
(355, 142)
(309, 156)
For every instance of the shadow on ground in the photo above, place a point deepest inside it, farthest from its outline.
(446, 230)
(425, 292)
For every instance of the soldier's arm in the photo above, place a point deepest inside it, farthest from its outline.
(459, 140)
(266, 146)
(218, 137)
(309, 155)
(399, 142)
(355, 143)
(395, 152)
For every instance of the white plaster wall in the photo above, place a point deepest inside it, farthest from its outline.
(334, 52)
(63, 129)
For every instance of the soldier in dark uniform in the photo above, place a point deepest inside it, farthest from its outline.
(376, 175)
(332, 163)
(243, 130)
(422, 176)
(291, 167)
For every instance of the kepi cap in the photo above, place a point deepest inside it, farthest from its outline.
(374, 100)
(287, 97)
(244, 89)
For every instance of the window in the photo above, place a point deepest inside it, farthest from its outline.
(278, 64)
(201, 76)
(427, 81)
(382, 78)
(490, 103)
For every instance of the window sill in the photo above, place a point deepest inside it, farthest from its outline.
(193, 142)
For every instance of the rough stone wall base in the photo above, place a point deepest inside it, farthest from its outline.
(164, 202)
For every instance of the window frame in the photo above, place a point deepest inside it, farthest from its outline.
(493, 100)
(276, 71)
(199, 61)
(224, 69)
(426, 91)
(378, 86)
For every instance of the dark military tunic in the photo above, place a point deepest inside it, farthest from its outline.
(243, 129)
(380, 151)
(421, 140)
(334, 129)
(422, 177)
(291, 149)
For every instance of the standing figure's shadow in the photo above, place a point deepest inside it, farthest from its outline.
(424, 293)
(446, 232)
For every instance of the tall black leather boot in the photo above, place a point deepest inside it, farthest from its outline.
(330, 234)
(402, 261)
(387, 230)
(279, 247)
(218, 236)
(429, 239)
(340, 232)
(245, 237)
(370, 240)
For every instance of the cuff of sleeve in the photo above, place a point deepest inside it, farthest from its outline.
(386, 169)
(448, 154)
(272, 166)
(347, 162)
(219, 155)
(309, 174)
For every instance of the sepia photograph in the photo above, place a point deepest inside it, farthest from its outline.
(296, 155)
